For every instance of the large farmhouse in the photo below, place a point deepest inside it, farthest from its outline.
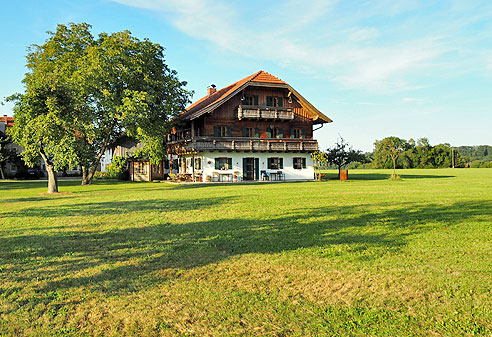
(258, 128)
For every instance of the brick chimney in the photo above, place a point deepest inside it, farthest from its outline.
(211, 89)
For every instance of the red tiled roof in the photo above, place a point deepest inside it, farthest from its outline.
(210, 102)
(9, 121)
(206, 101)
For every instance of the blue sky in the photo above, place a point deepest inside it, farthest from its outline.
(377, 68)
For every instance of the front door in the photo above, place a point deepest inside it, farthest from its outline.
(249, 168)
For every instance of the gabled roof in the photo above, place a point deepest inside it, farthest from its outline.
(260, 78)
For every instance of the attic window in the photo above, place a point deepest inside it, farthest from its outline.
(275, 101)
(250, 100)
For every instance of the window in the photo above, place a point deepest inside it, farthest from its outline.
(198, 163)
(298, 133)
(299, 163)
(251, 132)
(275, 101)
(140, 167)
(250, 100)
(223, 163)
(275, 133)
(188, 162)
(248, 132)
(275, 163)
(222, 131)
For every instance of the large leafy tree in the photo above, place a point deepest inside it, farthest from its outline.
(49, 112)
(83, 92)
(343, 154)
(129, 88)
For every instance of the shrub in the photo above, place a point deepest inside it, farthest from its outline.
(115, 170)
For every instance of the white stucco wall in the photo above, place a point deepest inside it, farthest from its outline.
(106, 158)
(208, 164)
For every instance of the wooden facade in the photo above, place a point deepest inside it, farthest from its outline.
(227, 115)
(260, 113)
(144, 171)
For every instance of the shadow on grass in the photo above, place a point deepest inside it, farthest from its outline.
(115, 207)
(124, 260)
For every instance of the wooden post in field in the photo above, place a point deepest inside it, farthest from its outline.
(452, 151)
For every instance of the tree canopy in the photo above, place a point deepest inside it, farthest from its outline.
(83, 92)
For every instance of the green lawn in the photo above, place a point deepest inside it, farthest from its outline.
(366, 257)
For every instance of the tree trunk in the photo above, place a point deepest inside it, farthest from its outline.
(90, 174)
(50, 168)
(394, 167)
(92, 169)
(1, 172)
(52, 179)
(84, 175)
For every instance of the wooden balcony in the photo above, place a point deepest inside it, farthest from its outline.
(242, 144)
(269, 113)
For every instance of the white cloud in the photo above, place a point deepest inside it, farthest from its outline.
(314, 40)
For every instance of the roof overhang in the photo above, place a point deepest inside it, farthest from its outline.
(317, 116)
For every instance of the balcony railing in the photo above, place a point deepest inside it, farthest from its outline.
(256, 112)
(244, 144)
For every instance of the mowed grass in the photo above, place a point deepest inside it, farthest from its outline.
(366, 257)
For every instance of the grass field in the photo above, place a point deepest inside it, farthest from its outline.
(366, 257)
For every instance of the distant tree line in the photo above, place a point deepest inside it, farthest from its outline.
(421, 154)
(477, 156)
(397, 153)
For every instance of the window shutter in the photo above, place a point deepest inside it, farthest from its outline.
(269, 133)
(281, 163)
(256, 99)
(257, 168)
(228, 131)
(257, 133)
(229, 163)
(216, 131)
(269, 163)
(303, 133)
(280, 102)
(269, 101)
(303, 162)
(217, 164)
(292, 135)
(280, 133)
(244, 132)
